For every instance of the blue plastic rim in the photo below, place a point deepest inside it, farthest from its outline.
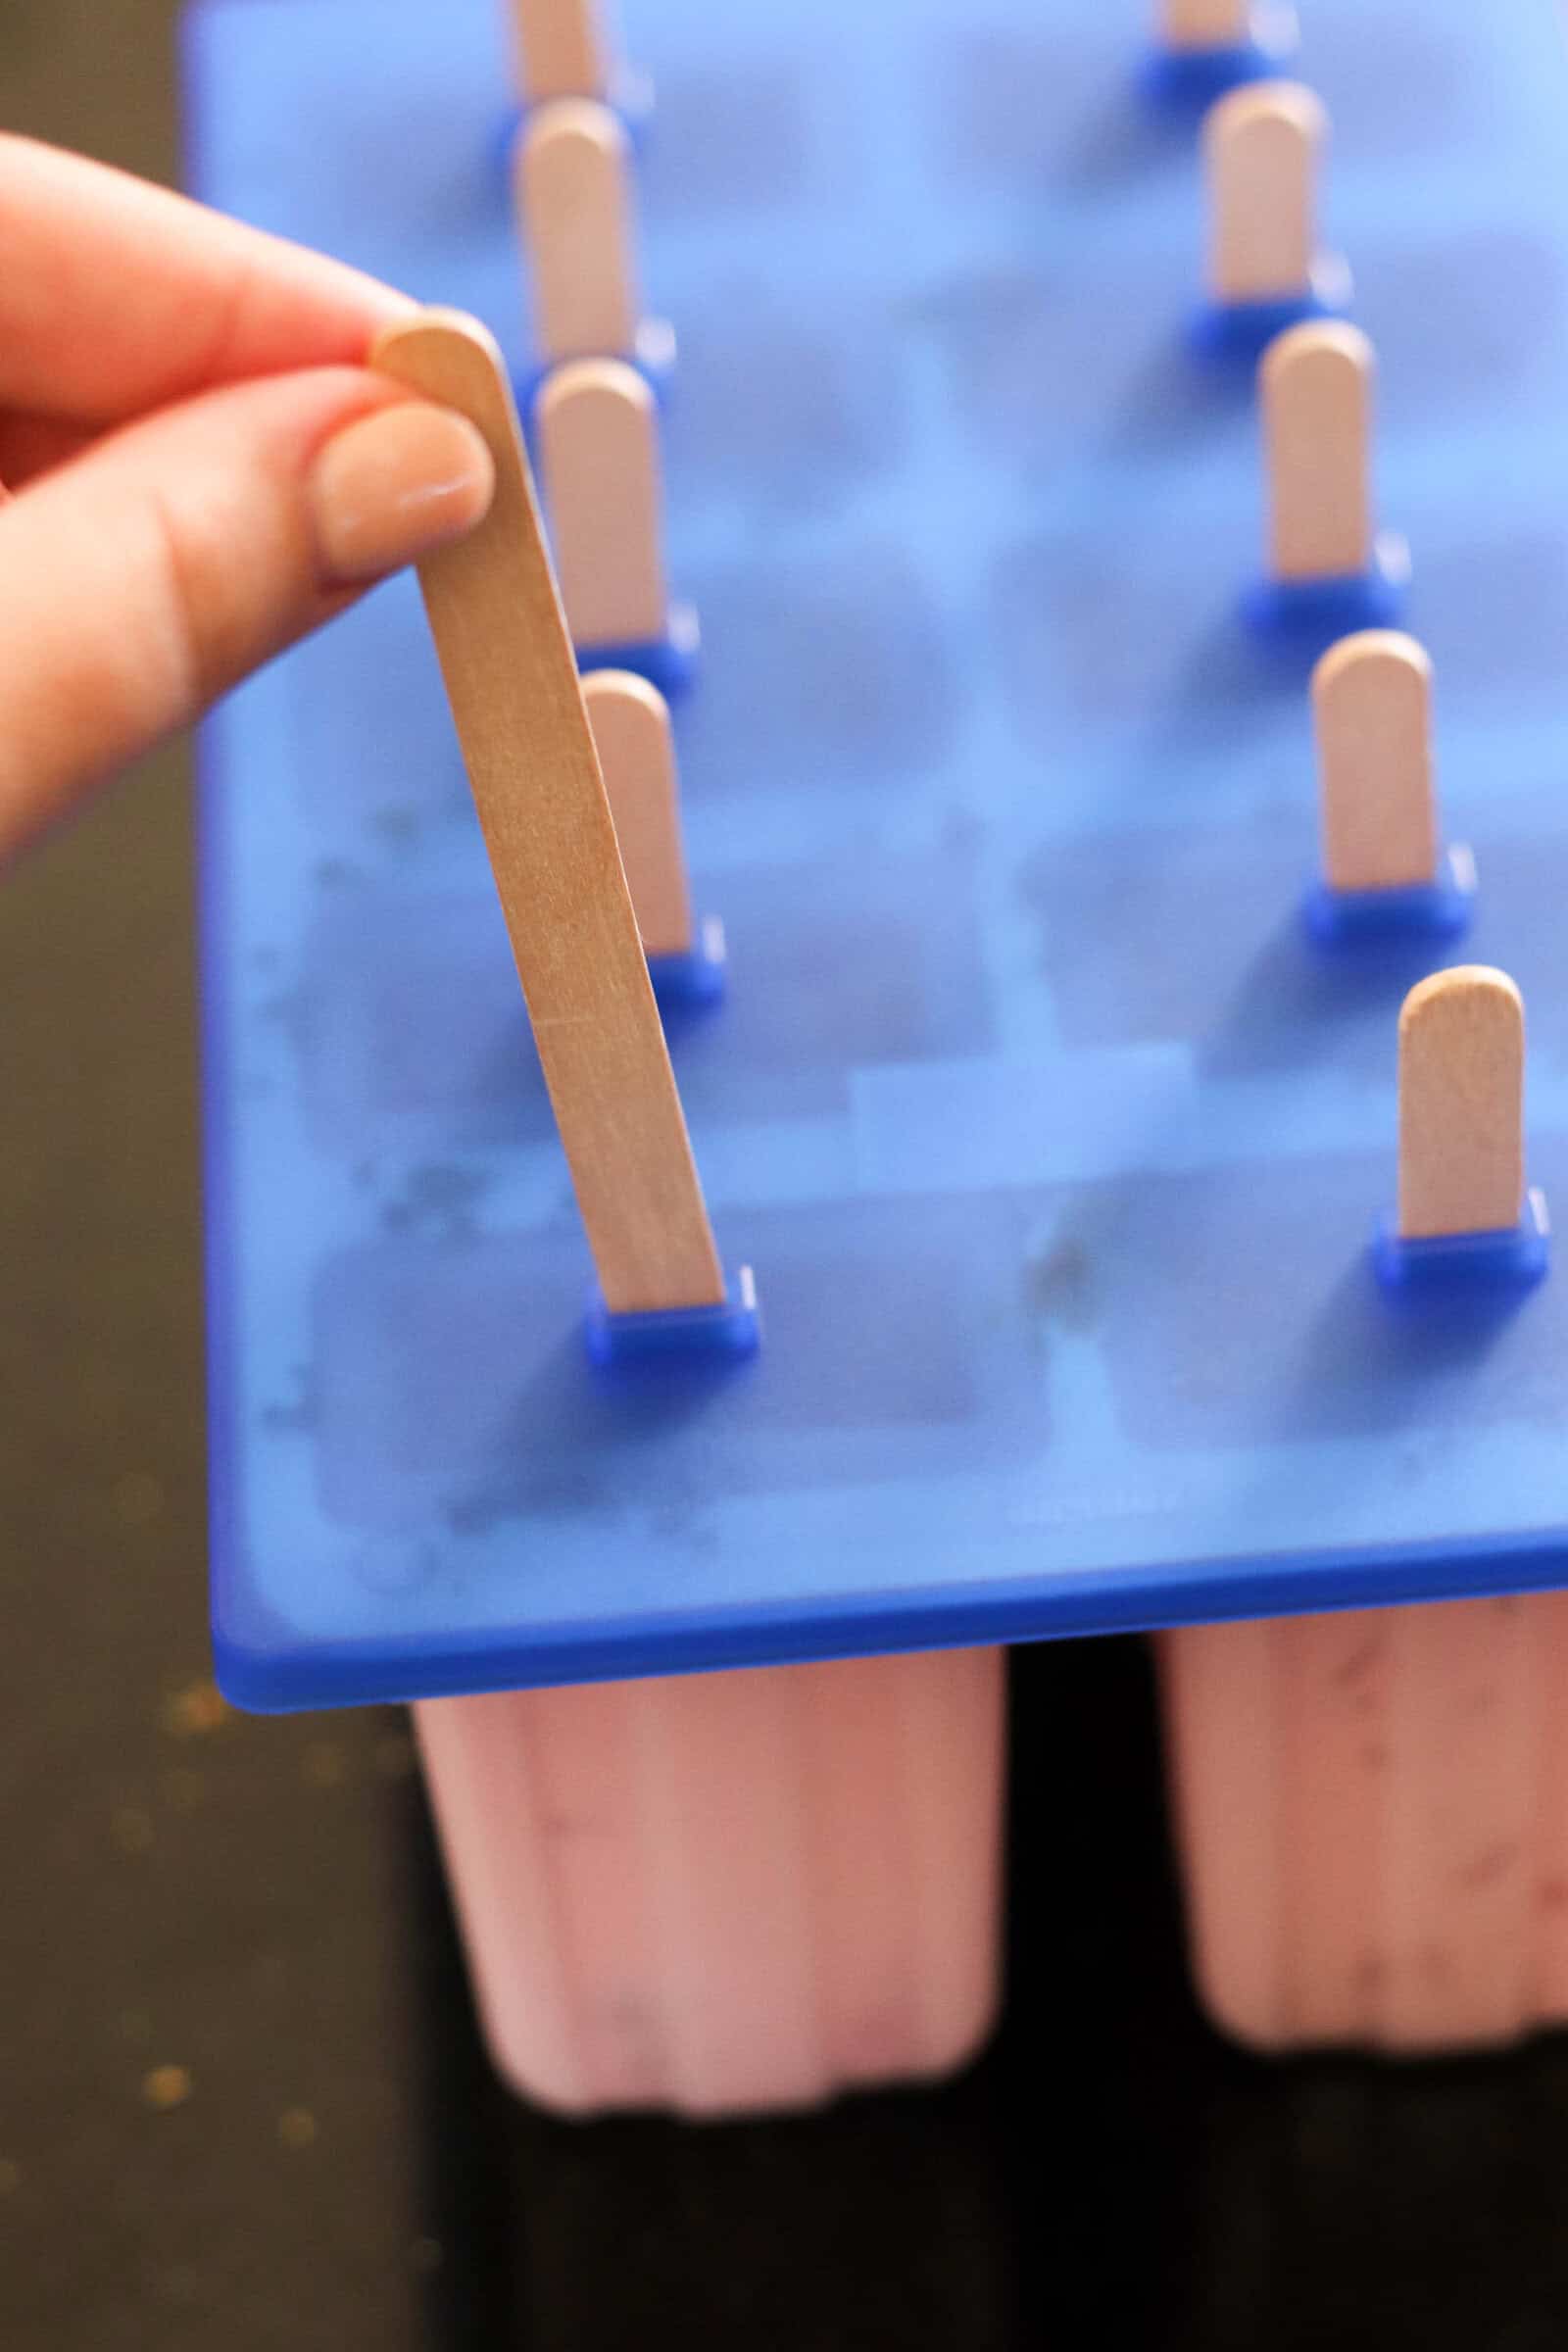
(1235, 334)
(1309, 616)
(724, 1332)
(654, 357)
(1056, 1143)
(632, 98)
(668, 662)
(1189, 81)
(1512, 1257)
(693, 977)
(1434, 909)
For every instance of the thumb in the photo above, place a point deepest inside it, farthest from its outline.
(141, 581)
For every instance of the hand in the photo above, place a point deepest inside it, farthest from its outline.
(201, 466)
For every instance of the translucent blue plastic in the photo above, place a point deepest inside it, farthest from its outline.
(1311, 614)
(668, 662)
(1054, 1140)
(678, 1340)
(695, 977)
(654, 358)
(1464, 1264)
(1420, 910)
(632, 99)
(1235, 334)
(1189, 81)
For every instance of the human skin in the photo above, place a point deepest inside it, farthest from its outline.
(200, 466)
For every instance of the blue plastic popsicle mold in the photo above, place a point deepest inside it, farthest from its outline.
(1055, 1138)
(1235, 334)
(1451, 1262)
(1439, 908)
(1188, 80)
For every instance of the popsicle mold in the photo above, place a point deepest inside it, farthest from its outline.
(1372, 1811)
(726, 1893)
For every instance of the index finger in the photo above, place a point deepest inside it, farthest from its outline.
(119, 297)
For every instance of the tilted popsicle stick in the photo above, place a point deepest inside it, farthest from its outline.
(598, 455)
(575, 210)
(630, 720)
(1372, 707)
(1261, 150)
(562, 51)
(513, 682)
(1317, 385)
(1461, 1103)
(1202, 23)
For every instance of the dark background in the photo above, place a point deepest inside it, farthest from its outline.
(240, 2097)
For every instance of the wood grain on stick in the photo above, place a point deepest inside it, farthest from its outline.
(630, 720)
(1317, 385)
(573, 189)
(1261, 150)
(599, 456)
(1372, 711)
(561, 48)
(1202, 23)
(1461, 1103)
(512, 683)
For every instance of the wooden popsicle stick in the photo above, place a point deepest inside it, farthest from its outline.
(630, 720)
(513, 682)
(561, 48)
(1317, 385)
(1202, 23)
(574, 210)
(599, 456)
(1261, 150)
(1461, 1103)
(1372, 711)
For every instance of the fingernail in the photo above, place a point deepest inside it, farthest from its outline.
(395, 487)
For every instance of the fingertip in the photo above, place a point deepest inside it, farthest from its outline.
(395, 487)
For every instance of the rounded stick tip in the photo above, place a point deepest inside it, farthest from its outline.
(1467, 991)
(1371, 719)
(607, 379)
(1461, 1104)
(572, 122)
(438, 324)
(1316, 340)
(609, 687)
(1288, 103)
(1387, 648)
